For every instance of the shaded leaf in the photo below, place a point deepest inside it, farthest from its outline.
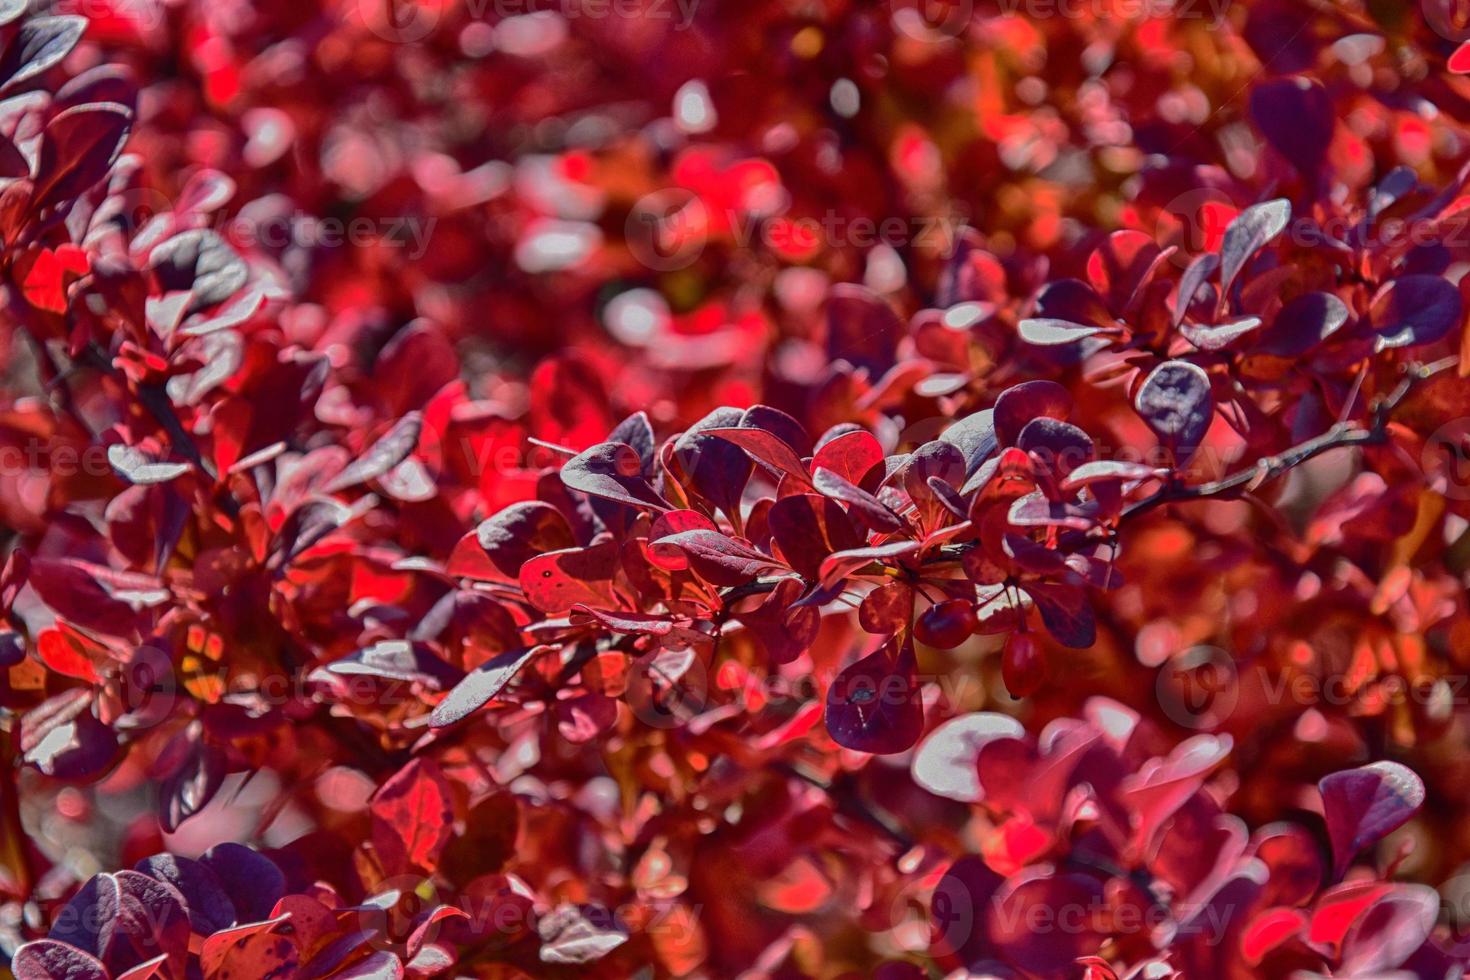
(1364, 805)
(875, 704)
(1247, 234)
(78, 148)
(1415, 310)
(41, 43)
(1176, 402)
(392, 448)
(482, 685)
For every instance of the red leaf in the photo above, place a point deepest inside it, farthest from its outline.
(850, 455)
(557, 581)
(413, 814)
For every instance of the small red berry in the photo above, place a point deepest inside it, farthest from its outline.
(1023, 665)
(946, 625)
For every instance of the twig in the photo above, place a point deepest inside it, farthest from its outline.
(1341, 435)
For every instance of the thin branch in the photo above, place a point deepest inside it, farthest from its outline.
(1341, 435)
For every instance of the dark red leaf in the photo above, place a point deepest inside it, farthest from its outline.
(875, 705)
(1364, 805)
(78, 147)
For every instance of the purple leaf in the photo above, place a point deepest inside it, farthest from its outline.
(715, 468)
(843, 563)
(1123, 266)
(875, 705)
(153, 922)
(1036, 510)
(768, 449)
(1039, 894)
(1247, 234)
(1218, 336)
(392, 448)
(637, 432)
(872, 511)
(569, 936)
(808, 528)
(1303, 324)
(975, 437)
(1176, 402)
(612, 471)
(41, 43)
(1072, 301)
(254, 881)
(1060, 446)
(784, 630)
(83, 921)
(481, 685)
(397, 660)
(1020, 404)
(717, 557)
(1034, 557)
(861, 328)
(1192, 281)
(1107, 469)
(779, 424)
(381, 965)
(1066, 613)
(47, 959)
(936, 461)
(1364, 805)
(961, 908)
(136, 466)
(191, 787)
(200, 263)
(1390, 931)
(1415, 310)
(210, 908)
(1296, 116)
(1212, 923)
(509, 539)
(78, 147)
(61, 737)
